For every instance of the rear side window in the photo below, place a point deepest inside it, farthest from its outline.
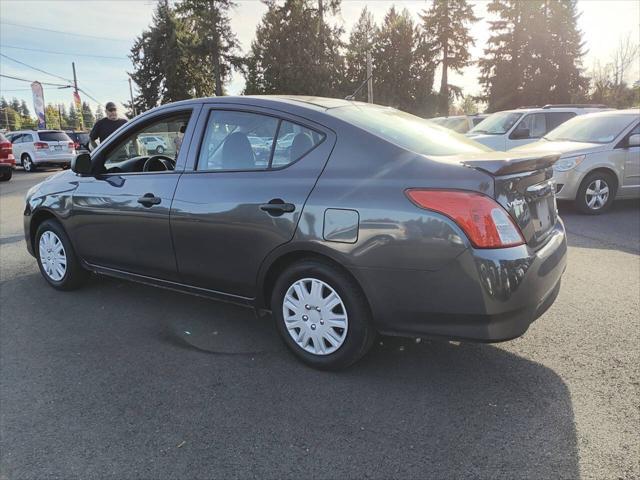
(53, 136)
(244, 141)
(556, 118)
(16, 138)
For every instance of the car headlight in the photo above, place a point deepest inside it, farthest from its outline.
(568, 163)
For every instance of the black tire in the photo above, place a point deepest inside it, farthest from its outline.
(27, 163)
(582, 199)
(6, 175)
(360, 333)
(159, 149)
(74, 276)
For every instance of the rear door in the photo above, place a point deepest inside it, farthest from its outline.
(631, 181)
(250, 176)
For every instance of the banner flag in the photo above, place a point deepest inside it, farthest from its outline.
(38, 103)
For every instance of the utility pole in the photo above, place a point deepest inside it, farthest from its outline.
(370, 78)
(77, 96)
(6, 118)
(59, 117)
(133, 107)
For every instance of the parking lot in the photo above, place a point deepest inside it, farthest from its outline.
(120, 380)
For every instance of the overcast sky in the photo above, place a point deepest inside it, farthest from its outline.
(103, 33)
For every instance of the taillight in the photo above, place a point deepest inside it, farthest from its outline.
(41, 145)
(74, 145)
(6, 146)
(484, 221)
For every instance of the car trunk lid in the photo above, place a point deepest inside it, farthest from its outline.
(523, 185)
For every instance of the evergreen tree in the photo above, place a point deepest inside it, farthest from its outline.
(99, 112)
(24, 109)
(446, 27)
(74, 117)
(213, 41)
(3, 102)
(165, 70)
(15, 105)
(52, 116)
(533, 55)
(87, 116)
(403, 70)
(64, 116)
(361, 41)
(296, 51)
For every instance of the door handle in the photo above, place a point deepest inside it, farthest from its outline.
(149, 199)
(277, 207)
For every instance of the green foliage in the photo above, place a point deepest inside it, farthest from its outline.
(534, 54)
(52, 116)
(296, 51)
(361, 40)
(211, 40)
(403, 65)
(87, 116)
(446, 30)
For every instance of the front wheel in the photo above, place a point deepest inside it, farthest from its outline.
(57, 260)
(6, 175)
(596, 193)
(322, 315)
(27, 163)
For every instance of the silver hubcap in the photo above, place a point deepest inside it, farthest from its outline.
(27, 163)
(315, 316)
(597, 194)
(52, 256)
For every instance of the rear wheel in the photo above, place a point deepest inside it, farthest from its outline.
(56, 257)
(27, 163)
(322, 315)
(159, 149)
(6, 175)
(596, 193)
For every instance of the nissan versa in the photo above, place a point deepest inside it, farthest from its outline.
(344, 219)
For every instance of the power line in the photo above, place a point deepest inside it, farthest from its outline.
(35, 68)
(22, 25)
(64, 53)
(31, 81)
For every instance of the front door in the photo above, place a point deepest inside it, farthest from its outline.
(631, 185)
(244, 194)
(121, 215)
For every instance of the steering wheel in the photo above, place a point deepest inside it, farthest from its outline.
(158, 163)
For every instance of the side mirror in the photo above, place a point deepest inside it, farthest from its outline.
(520, 133)
(634, 140)
(81, 164)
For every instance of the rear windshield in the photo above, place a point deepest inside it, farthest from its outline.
(407, 131)
(83, 137)
(588, 129)
(497, 124)
(53, 137)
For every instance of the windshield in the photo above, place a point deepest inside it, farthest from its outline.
(588, 129)
(408, 131)
(497, 123)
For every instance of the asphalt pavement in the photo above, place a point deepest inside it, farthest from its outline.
(123, 381)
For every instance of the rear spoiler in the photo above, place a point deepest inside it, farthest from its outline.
(508, 165)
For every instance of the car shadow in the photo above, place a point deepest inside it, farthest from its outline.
(191, 385)
(616, 229)
(416, 408)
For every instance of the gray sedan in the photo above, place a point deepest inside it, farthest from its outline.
(359, 219)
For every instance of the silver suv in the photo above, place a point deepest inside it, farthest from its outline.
(35, 148)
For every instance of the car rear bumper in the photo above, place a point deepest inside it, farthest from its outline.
(483, 295)
(57, 159)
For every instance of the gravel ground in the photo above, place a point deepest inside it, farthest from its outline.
(124, 381)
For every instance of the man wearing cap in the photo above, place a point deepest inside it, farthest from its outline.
(107, 125)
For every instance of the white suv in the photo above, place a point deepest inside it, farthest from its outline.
(34, 148)
(154, 144)
(512, 128)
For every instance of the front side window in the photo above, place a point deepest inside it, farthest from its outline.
(249, 141)
(531, 126)
(497, 123)
(131, 154)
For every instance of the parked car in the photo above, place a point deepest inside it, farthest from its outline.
(37, 148)
(81, 140)
(513, 128)
(7, 160)
(600, 158)
(154, 144)
(373, 221)
(459, 123)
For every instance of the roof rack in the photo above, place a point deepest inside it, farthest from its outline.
(528, 106)
(575, 105)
